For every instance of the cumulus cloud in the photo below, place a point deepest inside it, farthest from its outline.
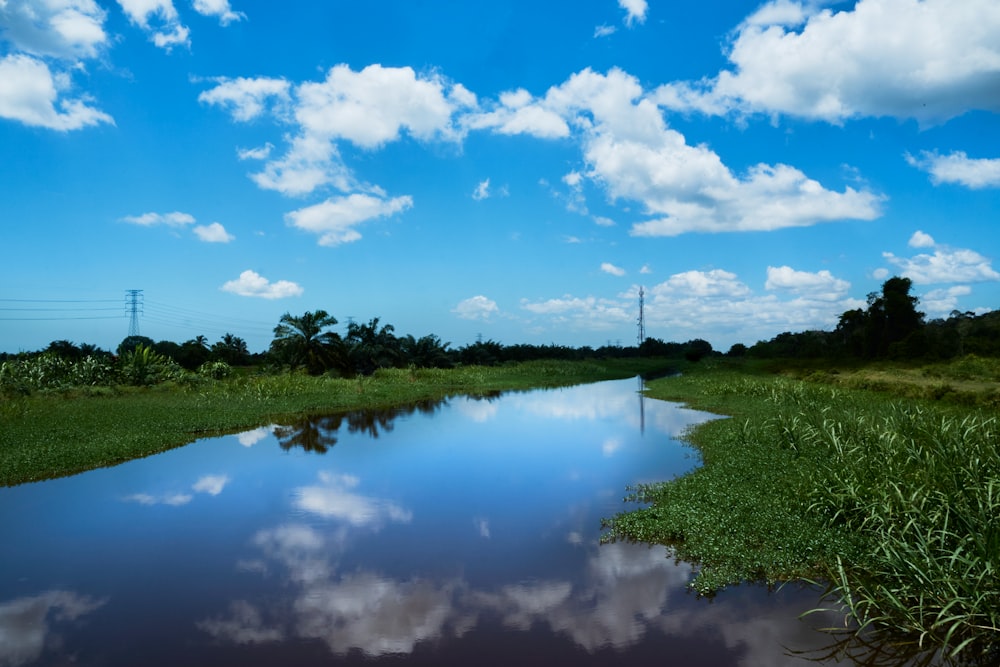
(372, 107)
(635, 11)
(945, 265)
(32, 94)
(476, 308)
(821, 285)
(608, 267)
(941, 302)
(211, 484)
(174, 219)
(247, 98)
(690, 303)
(632, 153)
(68, 29)
(519, 113)
(251, 283)
(921, 240)
(368, 108)
(335, 220)
(219, 8)
(930, 60)
(958, 168)
(213, 233)
(159, 19)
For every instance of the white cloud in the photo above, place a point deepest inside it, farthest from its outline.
(368, 108)
(713, 303)
(482, 190)
(25, 623)
(476, 308)
(588, 313)
(925, 59)
(251, 438)
(519, 113)
(211, 484)
(333, 499)
(635, 11)
(173, 499)
(160, 20)
(213, 233)
(174, 219)
(940, 302)
(250, 283)
(959, 168)
(946, 265)
(604, 30)
(218, 8)
(259, 153)
(335, 219)
(630, 151)
(821, 286)
(921, 240)
(31, 94)
(247, 98)
(608, 267)
(372, 107)
(67, 29)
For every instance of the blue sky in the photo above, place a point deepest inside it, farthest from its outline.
(511, 170)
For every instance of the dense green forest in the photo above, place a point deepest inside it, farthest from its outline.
(890, 327)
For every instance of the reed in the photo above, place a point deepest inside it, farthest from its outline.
(894, 502)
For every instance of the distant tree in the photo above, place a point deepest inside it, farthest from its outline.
(302, 341)
(232, 350)
(737, 350)
(481, 353)
(193, 353)
(65, 349)
(129, 343)
(697, 349)
(426, 352)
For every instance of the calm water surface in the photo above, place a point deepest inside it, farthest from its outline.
(462, 532)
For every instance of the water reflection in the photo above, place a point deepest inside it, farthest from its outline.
(437, 534)
(319, 434)
(29, 624)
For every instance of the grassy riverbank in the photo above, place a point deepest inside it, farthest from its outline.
(47, 435)
(894, 500)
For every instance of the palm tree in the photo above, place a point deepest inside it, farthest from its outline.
(371, 347)
(302, 341)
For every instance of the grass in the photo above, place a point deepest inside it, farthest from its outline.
(893, 501)
(46, 435)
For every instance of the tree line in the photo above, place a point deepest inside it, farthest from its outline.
(889, 327)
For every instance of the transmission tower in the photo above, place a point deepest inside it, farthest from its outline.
(133, 306)
(642, 316)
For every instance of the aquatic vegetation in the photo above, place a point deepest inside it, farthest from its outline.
(894, 502)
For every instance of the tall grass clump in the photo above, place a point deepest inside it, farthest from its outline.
(894, 502)
(924, 487)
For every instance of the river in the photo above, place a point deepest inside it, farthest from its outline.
(452, 533)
